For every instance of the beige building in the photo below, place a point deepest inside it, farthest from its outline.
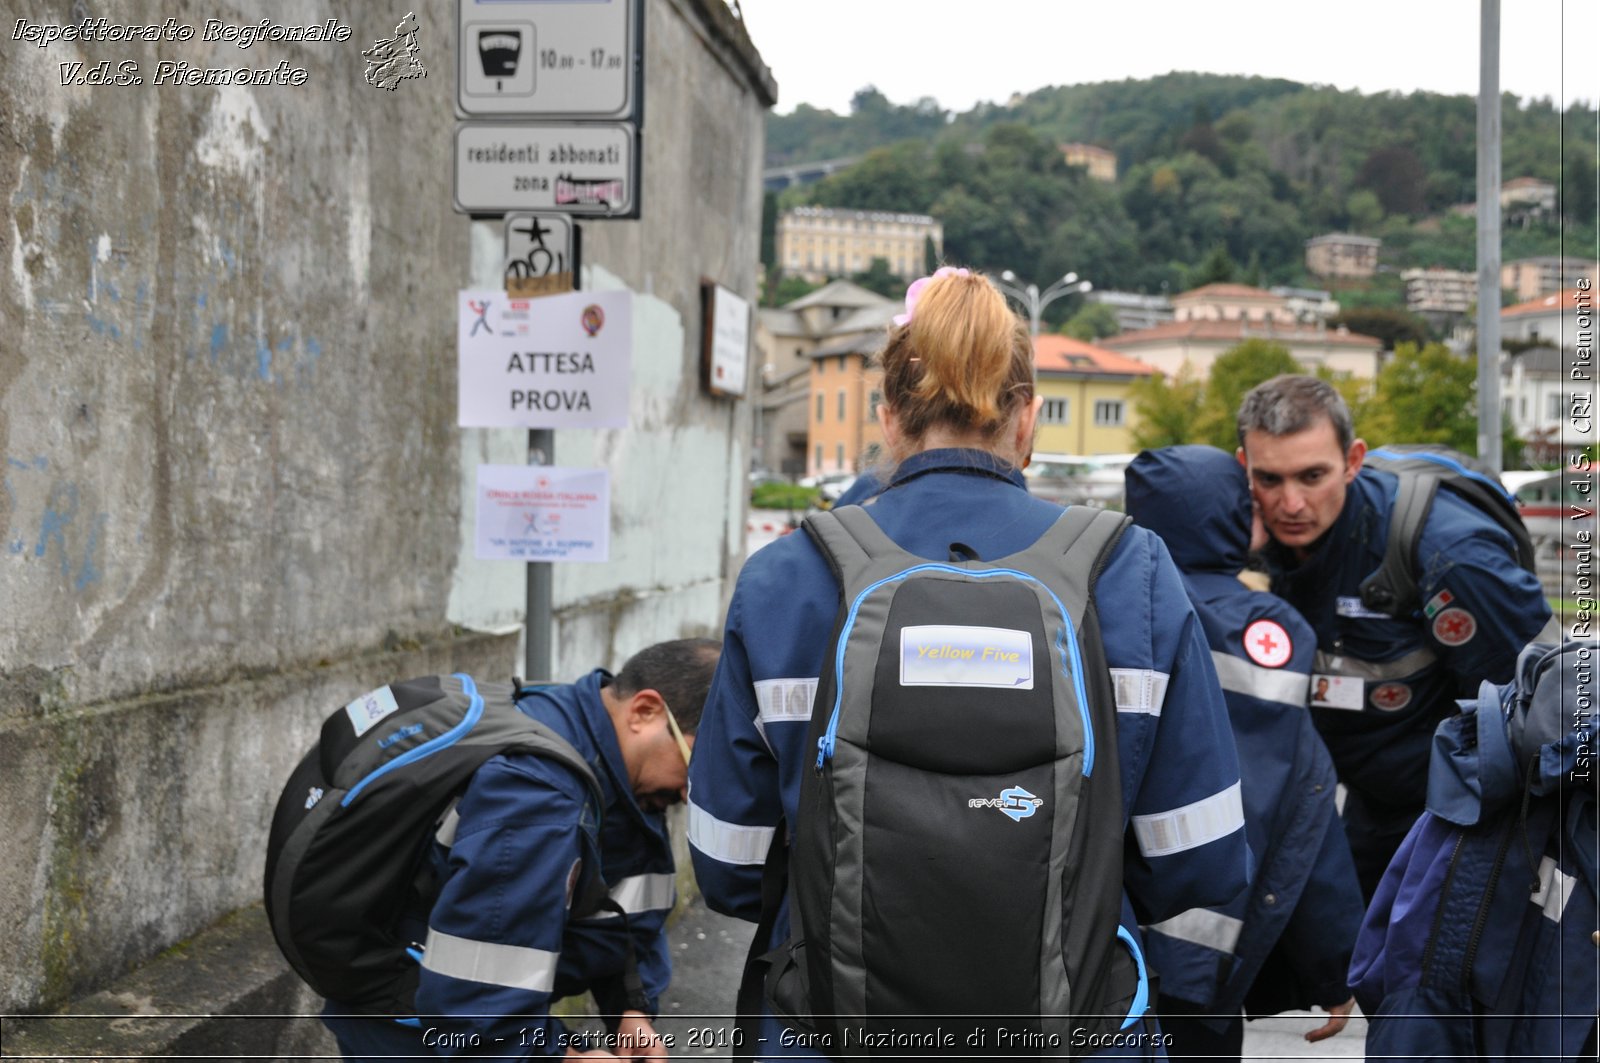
(1199, 343)
(821, 242)
(1231, 302)
(832, 321)
(1100, 162)
(1530, 194)
(1342, 255)
(1531, 278)
(1440, 291)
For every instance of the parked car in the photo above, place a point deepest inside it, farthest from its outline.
(1078, 479)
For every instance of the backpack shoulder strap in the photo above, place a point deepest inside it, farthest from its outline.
(854, 545)
(1085, 537)
(1392, 588)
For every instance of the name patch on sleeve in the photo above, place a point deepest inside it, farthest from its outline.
(948, 655)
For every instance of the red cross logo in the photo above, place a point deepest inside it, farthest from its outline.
(1454, 626)
(1267, 644)
(1392, 696)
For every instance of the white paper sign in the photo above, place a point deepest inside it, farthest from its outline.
(543, 513)
(555, 361)
(729, 328)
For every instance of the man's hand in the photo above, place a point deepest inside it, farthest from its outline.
(1338, 1016)
(638, 1040)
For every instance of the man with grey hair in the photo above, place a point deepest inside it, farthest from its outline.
(1390, 679)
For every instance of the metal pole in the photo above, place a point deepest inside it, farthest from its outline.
(1489, 234)
(541, 579)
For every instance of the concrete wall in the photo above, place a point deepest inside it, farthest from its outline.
(231, 493)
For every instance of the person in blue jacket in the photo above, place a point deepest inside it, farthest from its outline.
(499, 946)
(959, 414)
(1285, 944)
(1482, 939)
(1390, 680)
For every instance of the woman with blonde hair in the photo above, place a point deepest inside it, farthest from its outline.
(959, 412)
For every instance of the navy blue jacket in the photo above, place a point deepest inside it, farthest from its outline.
(1304, 901)
(500, 943)
(1179, 771)
(1479, 610)
(1480, 939)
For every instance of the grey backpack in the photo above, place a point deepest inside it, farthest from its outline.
(956, 868)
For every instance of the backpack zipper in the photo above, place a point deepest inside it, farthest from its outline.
(1066, 641)
(1438, 913)
(1483, 906)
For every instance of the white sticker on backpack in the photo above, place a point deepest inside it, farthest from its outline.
(368, 709)
(947, 655)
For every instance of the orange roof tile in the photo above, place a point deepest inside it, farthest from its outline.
(1063, 354)
(1227, 291)
(1558, 302)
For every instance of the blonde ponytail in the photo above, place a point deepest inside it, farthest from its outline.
(963, 361)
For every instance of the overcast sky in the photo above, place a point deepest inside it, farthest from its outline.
(961, 52)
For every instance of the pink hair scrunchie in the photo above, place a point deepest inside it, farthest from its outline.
(914, 292)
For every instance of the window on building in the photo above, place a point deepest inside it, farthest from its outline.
(840, 452)
(819, 458)
(1108, 413)
(841, 405)
(1553, 405)
(820, 401)
(872, 404)
(1055, 411)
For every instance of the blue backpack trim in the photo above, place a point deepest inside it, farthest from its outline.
(433, 745)
(1141, 997)
(1066, 639)
(1448, 463)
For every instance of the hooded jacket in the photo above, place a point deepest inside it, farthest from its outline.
(1480, 940)
(500, 945)
(1299, 919)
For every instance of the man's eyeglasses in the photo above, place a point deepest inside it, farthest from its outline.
(677, 732)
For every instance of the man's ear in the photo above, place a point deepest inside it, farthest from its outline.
(1353, 459)
(1244, 462)
(644, 708)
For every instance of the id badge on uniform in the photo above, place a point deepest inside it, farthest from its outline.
(1338, 692)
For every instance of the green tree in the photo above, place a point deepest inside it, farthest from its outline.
(1233, 374)
(1218, 268)
(1393, 327)
(877, 278)
(930, 256)
(1095, 321)
(1364, 210)
(784, 288)
(1165, 411)
(1425, 394)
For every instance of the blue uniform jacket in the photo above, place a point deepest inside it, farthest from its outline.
(1479, 610)
(500, 943)
(1480, 939)
(1179, 770)
(1304, 901)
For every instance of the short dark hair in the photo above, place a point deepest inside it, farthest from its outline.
(1292, 403)
(680, 671)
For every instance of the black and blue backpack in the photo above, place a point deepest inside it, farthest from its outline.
(348, 861)
(1423, 469)
(956, 867)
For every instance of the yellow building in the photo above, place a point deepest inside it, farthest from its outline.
(821, 242)
(1100, 162)
(1085, 390)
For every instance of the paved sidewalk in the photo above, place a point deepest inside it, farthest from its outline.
(708, 953)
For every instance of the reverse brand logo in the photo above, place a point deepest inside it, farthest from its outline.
(1014, 801)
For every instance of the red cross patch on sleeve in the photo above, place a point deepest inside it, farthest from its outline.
(1267, 644)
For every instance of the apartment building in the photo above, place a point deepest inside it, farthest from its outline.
(821, 242)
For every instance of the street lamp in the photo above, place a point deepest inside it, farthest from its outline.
(1033, 300)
